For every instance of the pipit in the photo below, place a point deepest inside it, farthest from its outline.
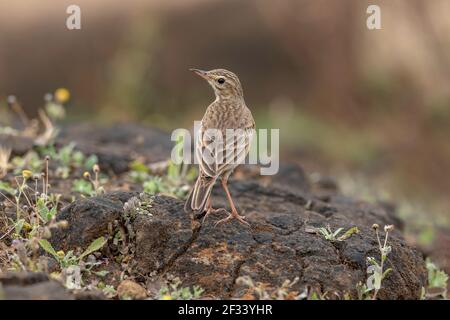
(222, 143)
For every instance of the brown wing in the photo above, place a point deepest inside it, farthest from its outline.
(219, 152)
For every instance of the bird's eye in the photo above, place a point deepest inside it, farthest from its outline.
(221, 80)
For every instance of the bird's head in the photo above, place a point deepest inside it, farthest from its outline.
(225, 83)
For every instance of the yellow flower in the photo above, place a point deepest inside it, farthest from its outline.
(61, 254)
(62, 95)
(166, 297)
(86, 175)
(55, 275)
(27, 174)
(27, 226)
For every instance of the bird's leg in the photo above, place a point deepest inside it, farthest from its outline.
(234, 214)
(210, 209)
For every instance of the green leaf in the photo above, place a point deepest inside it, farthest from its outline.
(49, 248)
(436, 278)
(42, 209)
(101, 273)
(385, 273)
(138, 166)
(83, 187)
(5, 186)
(337, 232)
(314, 296)
(94, 246)
(153, 186)
(173, 171)
(90, 162)
(78, 158)
(19, 225)
(349, 233)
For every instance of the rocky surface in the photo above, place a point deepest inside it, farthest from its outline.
(116, 146)
(17, 144)
(166, 243)
(31, 286)
(278, 247)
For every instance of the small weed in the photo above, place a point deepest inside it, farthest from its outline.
(89, 186)
(67, 159)
(68, 259)
(437, 282)
(260, 291)
(174, 183)
(84, 187)
(108, 290)
(373, 283)
(329, 235)
(174, 291)
(6, 186)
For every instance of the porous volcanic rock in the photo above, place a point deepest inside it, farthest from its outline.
(88, 219)
(278, 247)
(118, 145)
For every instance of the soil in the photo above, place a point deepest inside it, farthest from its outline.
(164, 243)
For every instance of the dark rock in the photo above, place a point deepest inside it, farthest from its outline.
(278, 247)
(158, 234)
(326, 183)
(95, 294)
(19, 145)
(118, 145)
(291, 177)
(31, 286)
(88, 219)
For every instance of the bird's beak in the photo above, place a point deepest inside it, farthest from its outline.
(201, 73)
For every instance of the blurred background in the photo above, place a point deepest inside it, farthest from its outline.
(370, 108)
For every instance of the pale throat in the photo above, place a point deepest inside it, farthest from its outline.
(229, 95)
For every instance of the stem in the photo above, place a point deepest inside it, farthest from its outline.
(385, 239)
(96, 183)
(8, 199)
(46, 176)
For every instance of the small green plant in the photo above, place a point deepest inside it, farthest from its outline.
(89, 186)
(35, 209)
(139, 172)
(82, 186)
(329, 235)
(317, 296)
(174, 291)
(6, 186)
(69, 259)
(154, 185)
(31, 161)
(108, 290)
(54, 103)
(68, 158)
(437, 281)
(260, 291)
(175, 182)
(46, 212)
(373, 284)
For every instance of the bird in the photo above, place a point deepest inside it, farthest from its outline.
(223, 141)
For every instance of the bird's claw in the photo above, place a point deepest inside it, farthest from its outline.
(232, 216)
(209, 211)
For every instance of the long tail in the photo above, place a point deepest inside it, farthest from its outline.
(199, 194)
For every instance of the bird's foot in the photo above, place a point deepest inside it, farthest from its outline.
(233, 215)
(209, 211)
